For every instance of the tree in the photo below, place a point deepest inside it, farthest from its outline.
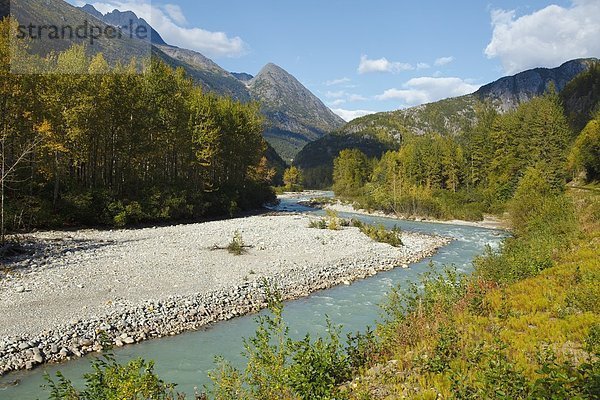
(585, 154)
(534, 134)
(85, 146)
(292, 179)
(351, 171)
(529, 198)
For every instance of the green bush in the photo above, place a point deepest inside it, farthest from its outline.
(544, 222)
(281, 368)
(318, 223)
(110, 380)
(236, 246)
(446, 350)
(379, 233)
(562, 380)
(331, 222)
(319, 366)
(131, 213)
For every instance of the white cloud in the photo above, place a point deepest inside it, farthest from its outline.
(356, 97)
(443, 61)
(337, 103)
(349, 115)
(168, 24)
(381, 65)
(344, 96)
(423, 65)
(176, 13)
(547, 37)
(335, 82)
(428, 89)
(408, 96)
(335, 95)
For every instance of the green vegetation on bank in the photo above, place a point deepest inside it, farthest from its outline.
(85, 146)
(378, 233)
(526, 325)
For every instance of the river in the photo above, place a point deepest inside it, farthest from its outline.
(187, 358)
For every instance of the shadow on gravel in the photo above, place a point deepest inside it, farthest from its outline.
(28, 253)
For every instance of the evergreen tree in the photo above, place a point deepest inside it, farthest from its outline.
(351, 171)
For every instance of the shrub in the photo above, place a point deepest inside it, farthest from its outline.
(331, 222)
(379, 233)
(318, 367)
(281, 368)
(446, 350)
(544, 222)
(585, 294)
(110, 380)
(362, 349)
(318, 224)
(562, 380)
(236, 246)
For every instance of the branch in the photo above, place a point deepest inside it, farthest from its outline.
(27, 151)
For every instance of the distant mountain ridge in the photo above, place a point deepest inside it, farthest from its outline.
(507, 93)
(294, 115)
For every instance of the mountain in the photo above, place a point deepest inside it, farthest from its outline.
(206, 72)
(295, 115)
(127, 21)
(242, 76)
(581, 97)
(507, 93)
(376, 133)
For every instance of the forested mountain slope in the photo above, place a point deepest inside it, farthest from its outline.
(447, 117)
(294, 115)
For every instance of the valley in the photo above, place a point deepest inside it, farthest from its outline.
(182, 217)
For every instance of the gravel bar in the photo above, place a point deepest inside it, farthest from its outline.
(75, 289)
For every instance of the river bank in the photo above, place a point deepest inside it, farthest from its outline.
(78, 289)
(489, 221)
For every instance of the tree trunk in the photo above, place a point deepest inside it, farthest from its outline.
(56, 180)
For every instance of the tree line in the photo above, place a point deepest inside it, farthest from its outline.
(100, 144)
(476, 171)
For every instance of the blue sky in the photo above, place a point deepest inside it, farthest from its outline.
(360, 56)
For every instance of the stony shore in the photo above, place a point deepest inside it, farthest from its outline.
(489, 221)
(75, 290)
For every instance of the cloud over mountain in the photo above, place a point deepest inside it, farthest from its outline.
(170, 19)
(546, 37)
(428, 89)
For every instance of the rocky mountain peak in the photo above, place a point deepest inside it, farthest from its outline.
(90, 9)
(293, 111)
(508, 92)
(125, 20)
